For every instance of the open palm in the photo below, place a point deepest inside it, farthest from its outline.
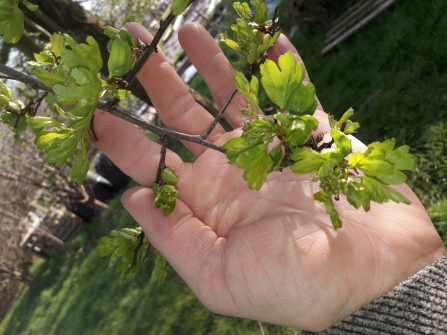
(269, 255)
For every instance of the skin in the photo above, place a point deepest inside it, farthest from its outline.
(269, 255)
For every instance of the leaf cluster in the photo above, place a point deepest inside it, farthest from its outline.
(11, 113)
(11, 19)
(248, 38)
(165, 191)
(71, 70)
(130, 247)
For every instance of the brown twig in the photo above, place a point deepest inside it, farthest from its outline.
(140, 238)
(161, 164)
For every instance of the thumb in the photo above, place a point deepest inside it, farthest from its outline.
(180, 237)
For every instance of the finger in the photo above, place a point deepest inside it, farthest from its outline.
(215, 69)
(170, 96)
(130, 149)
(180, 237)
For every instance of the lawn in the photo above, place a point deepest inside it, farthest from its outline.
(393, 72)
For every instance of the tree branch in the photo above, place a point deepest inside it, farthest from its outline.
(33, 83)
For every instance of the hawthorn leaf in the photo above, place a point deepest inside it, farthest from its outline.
(330, 208)
(256, 162)
(275, 156)
(4, 90)
(12, 26)
(170, 176)
(57, 43)
(80, 166)
(243, 10)
(120, 60)
(280, 82)
(261, 11)
(48, 78)
(248, 89)
(178, 6)
(30, 6)
(303, 100)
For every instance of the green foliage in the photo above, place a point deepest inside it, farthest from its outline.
(131, 247)
(360, 177)
(11, 19)
(166, 193)
(247, 37)
(11, 110)
(178, 6)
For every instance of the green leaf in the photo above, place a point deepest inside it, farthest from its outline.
(12, 26)
(65, 149)
(281, 82)
(57, 41)
(170, 176)
(234, 147)
(178, 6)
(106, 247)
(309, 160)
(354, 194)
(166, 196)
(45, 58)
(261, 10)
(111, 32)
(159, 273)
(327, 167)
(121, 94)
(68, 94)
(30, 6)
(39, 122)
(80, 167)
(402, 159)
(276, 157)
(396, 196)
(256, 163)
(243, 10)
(330, 208)
(248, 89)
(5, 91)
(47, 78)
(303, 100)
(375, 190)
(48, 140)
(299, 129)
(6, 10)
(121, 58)
(342, 142)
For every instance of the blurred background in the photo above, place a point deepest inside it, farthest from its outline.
(384, 58)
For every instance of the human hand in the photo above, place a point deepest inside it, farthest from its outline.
(269, 255)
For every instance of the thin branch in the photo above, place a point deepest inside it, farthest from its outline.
(161, 131)
(161, 164)
(140, 238)
(33, 83)
(218, 116)
(151, 48)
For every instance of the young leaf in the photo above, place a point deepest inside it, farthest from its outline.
(178, 6)
(30, 6)
(261, 10)
(281, 81)
(120, 60)
(330, 208)
(159, 273)
(12, 26)
(248, 89)
(256, 163)
(170, 176)
(80, 167)
(243, 10)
